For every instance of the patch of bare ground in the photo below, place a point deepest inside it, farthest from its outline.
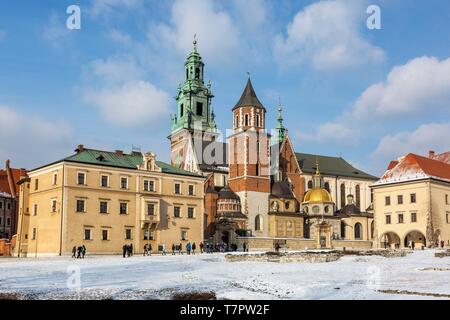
(442, 254)
(10, 296)
(414, 293)
(209, 295)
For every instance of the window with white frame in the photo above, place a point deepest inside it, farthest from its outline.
(184, 235)
(55, 178)
(105, 234)
(191, 214)
(87, 234)
(81, 206)
(123, 183)
(128, 234)
(104, 181)
(123, 207)
(33, 234)
(104, 207)
(191, 189)
(177, 212)
(150, 209)
(149, 185)
(35, 209)
(81, 178)
(177, 188)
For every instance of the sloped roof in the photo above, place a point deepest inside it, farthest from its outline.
(414, 167)
(4, 184)
(444, 157)
(210, 153)
(249, 98)
(330, 166)
(116, 160)
(281, 189)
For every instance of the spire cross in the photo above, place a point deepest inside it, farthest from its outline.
(195, 42)
(248, 74)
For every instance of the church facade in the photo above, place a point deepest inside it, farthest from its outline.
(258, 190)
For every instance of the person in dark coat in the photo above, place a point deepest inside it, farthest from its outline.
(74, 252)
(124, 250)
(131, 249)
(173, 249)
(79, 252)
(194, 246)
(83, 251)
(244, 247)
(201, 247)
(149, 249)
(180, 249)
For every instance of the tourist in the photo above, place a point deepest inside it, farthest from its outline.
(173, 249)
(124, 250)
(79, 249)
(74, 252)
(145, 250)
(201, 247)
(149, 249)
(131, 249)
(442, 244)
(83, 251)
(188, 248)
(194, 246)
(413, 244)
(180, 249)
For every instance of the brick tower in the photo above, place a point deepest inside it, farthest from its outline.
(249, 156)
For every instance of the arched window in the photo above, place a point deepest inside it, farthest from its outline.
(342, 195)
(310, 184)
(342, 229)
(257, 120)
(197, 73)
(237, 122)
(358, 196)
(246, 120)
(358, 231)
(327, 186)
(258, 223)
(181, 110)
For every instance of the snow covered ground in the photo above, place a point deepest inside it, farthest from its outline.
(158, 277)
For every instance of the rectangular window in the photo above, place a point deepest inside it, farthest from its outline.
(105, 235)
(55, 179)
(399, 199)
(387, 201)
(8, 206)
(413, 217)
(104, 207)
(53, 206)
(36, 184)
(413, 198)
(177, 188)
(448, 217)
(81, 206)
(199, 108)
(191, 190)
(127, 234)
(184, 235)
(105, 181)
(177, 212)
(150, 209)
(1, 205)
(149, 235)
(191, 213)
(87, 234)
(81, 179)
(446, 199)
(35, 209)
(123, 208)
(400, 218)
(8, 222)
(33, 235)
(124, 183)
(388, 219)
(149, 185)
(1, 221)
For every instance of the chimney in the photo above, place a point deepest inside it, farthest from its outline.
(431, 154)
(79, 149)
(9, 173)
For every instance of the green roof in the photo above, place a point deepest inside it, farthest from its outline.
(330, 166)
(116, 160)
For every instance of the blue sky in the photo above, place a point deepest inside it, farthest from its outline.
(366, 95)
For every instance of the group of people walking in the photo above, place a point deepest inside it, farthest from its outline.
(190, 248)
(127, 250)
(78, 252)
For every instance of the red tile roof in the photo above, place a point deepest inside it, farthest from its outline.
(4, 185)
(413, 166)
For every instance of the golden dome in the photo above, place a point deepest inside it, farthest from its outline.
(317, 195)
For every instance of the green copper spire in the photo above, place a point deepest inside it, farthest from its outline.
(280, 129)
(194, 97)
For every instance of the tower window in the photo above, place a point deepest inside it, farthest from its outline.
(237, 122)
(181, 110)
(246, 120)
(199, 108)
(257, 120)
(197, 73)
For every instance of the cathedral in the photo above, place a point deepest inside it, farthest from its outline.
(257, 186)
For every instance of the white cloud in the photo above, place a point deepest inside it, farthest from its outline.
(424, 138)
(134, 103)
(28, 139)
(116, 69)
(216, 31)
(119, 37)
(327, 34)
(106, 7)
(55, 31)
(419, 89)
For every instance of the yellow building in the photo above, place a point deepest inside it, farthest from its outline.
(104, 200)
(412, 203)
